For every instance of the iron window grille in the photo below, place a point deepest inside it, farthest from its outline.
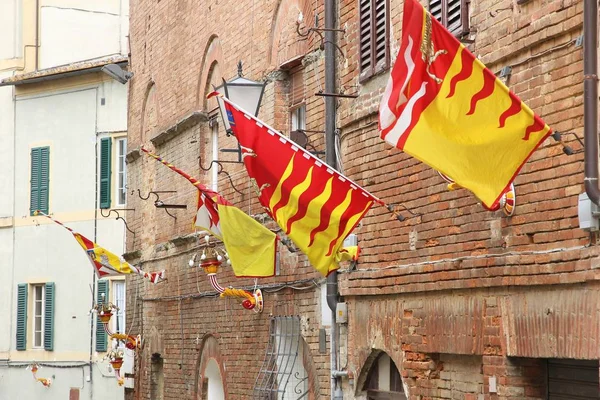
(282, 375)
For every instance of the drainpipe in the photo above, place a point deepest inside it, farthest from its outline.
(330, 158)
(590, 99)
(37, 34)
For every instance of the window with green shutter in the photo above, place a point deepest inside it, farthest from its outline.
(40, 178)
(105, 171)
(101, 342)
(49, 295)
(22, 316)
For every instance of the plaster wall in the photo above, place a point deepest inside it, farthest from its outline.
(67, 118)
(72, 30)
(10, 29)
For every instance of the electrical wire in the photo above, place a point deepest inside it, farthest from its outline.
(477, 257)
(271, 288)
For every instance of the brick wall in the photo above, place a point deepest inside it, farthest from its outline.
(411, 274)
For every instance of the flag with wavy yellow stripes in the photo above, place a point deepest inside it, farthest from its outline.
(445, 108)
(315, 205)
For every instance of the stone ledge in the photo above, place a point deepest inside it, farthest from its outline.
(132, 255)
(179, 127)
(133, 155)
(6, 222)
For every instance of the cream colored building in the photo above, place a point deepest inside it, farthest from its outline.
(63, 124)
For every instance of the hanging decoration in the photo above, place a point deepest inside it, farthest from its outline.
(250, 248)
(44, 381)
(104, 262)
(210, 261)
(105, 310)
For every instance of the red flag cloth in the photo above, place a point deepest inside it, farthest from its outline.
(445, 108)
(316, 206)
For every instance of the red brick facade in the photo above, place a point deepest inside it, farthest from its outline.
(455, 295)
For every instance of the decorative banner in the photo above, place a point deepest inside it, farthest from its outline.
(104, 262)
(316, 206)
(445, 108)
(251, 247)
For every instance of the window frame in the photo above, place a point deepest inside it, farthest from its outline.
(42, 301)
(214, 139)
(374, 68)
(120, 160)
(295, 117)
(122, 309)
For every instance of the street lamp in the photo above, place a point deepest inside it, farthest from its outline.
(244, 92)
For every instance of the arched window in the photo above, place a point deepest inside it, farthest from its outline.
(383, 381)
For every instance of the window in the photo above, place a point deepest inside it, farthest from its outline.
(118, 288)
(40, 177)
(383, 381)
(283, 375)
(41, 310)
(298, 118)
(105, 171)
(453, 14)
(121, 189)
(374, 42)
(214, 129)
(38, 315)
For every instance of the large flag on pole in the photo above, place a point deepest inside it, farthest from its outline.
(445, 108)
(316, 206)
(104, 262)
(251, 247)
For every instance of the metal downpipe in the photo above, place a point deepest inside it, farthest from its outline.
(590, 98)
(330, 158)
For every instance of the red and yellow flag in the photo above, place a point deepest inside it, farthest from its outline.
(106, 263)
(251, 247)
(445, 108)
(315, 205)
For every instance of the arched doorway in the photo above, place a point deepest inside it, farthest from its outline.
(211, 381)
(214, 384)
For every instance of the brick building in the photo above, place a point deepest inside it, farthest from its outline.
(453, 303)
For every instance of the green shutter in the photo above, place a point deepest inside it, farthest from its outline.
(40, 179)
(100, 332)
(105, 172)
(22, 316)
(49, 316)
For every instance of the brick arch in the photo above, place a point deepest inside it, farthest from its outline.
(213, 55)
(285, 44)
(368, 363)
(208, 349)
(150, 112)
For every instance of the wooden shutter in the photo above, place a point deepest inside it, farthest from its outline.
(374, 41)
(435, 8)
(101, 343)
(105, 171)
(40, 176)
(453, 14)
(573, 379)
(381, 54)
(297, 89)
(365, 34)
(49, 295)
(22, 316)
